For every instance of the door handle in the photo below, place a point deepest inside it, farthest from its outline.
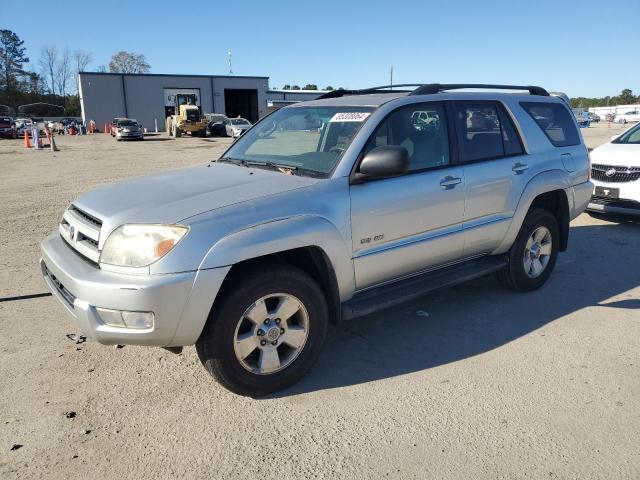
(519, 168)
(449, 182)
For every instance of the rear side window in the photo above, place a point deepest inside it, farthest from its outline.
(485, 131)
(555, 121)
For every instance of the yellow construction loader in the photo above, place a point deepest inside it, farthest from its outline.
(186, 117)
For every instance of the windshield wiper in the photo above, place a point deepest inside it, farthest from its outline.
(281, 167)
(234, 161)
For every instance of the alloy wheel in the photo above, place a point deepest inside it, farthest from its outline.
(271, 333)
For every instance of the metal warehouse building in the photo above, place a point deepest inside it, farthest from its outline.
(149, 97)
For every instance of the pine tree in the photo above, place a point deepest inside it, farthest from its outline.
(12, 59)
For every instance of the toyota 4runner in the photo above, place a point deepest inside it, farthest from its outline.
(323, 211)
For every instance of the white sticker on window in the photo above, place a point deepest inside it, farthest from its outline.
(350, 117)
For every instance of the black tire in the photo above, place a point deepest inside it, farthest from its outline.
(215, 346)
(195, 134)
(514, 275)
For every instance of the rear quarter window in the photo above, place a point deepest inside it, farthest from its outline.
(555, 121)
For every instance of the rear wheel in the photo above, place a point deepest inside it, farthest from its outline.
(534, 252)
(266, 333)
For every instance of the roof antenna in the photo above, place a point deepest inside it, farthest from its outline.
(229, 62)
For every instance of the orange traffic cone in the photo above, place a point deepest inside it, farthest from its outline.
(27, 144)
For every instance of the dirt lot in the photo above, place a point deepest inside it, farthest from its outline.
(490, 384)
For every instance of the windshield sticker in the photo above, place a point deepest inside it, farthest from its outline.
(350, 117)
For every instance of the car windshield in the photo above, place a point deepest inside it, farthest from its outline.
(630, 136)
(309, 139)
(239, 121)
(127, 123)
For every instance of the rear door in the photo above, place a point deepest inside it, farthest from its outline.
(496, 170)
(410, 223)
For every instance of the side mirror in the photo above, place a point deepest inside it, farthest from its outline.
(383, 162)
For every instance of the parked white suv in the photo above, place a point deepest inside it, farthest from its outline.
(321, 212)
(615, 171)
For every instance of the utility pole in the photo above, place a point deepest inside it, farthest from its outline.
(391, 77)
(229, 62)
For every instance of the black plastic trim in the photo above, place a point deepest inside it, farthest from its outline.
(433, 88)
(385, 296)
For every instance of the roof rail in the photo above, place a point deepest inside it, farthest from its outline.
(364, 91)
(433, 88)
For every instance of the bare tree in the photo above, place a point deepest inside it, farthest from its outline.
(126, 62)
(80, 59)
(48, 65)
(64, 71)
(101, 68)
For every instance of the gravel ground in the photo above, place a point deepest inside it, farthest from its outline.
(473, 382)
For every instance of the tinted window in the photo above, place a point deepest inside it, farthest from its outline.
(485, 131)
(555, 121)
(510, 138)
(421, 129)
(630, 136)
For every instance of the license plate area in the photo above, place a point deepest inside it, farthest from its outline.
(607, 192)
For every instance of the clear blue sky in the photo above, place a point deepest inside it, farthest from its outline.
(584, 48)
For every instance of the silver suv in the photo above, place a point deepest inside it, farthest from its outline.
(323, 211)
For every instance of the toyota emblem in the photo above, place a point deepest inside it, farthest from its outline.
(610, 172)
(72, 232)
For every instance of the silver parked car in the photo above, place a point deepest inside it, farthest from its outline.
(127, 129)
(234, 127)
(323, 211)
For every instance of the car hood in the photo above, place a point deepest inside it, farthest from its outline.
(241, 127)
(172, 197)
(623, 154)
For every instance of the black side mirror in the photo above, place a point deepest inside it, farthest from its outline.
(383, 162)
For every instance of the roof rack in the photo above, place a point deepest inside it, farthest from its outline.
(364, 91)
(432, 88)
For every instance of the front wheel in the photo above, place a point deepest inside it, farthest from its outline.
(266, 332)
(534, 252)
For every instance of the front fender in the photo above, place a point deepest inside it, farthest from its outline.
(542, 183)
(282, 235)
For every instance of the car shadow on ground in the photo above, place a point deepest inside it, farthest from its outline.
(468, 320)
(156, 139)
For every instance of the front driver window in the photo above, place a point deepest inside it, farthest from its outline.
(421, 129)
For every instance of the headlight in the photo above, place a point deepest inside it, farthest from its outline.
(140, 245)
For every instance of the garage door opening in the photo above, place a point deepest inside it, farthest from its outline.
(241, 103)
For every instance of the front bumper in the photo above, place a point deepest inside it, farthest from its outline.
(180, 302)
(628, 202)
(129, 135)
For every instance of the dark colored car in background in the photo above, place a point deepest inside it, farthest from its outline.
(8, 128)
(216, 124)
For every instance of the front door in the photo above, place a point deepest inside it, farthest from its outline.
(407, 224)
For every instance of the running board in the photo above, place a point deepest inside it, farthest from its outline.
(385, 296)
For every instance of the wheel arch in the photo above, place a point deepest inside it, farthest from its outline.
(546, 190)
(310, 243)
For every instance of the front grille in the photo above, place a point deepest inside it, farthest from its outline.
(86, 216)
(81, 231)
(64, 293)
(615, 202)
(614, 173)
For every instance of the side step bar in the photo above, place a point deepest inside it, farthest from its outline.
(386, 296)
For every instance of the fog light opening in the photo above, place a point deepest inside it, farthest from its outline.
(126, 319)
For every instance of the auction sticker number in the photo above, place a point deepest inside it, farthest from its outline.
(350, 117)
